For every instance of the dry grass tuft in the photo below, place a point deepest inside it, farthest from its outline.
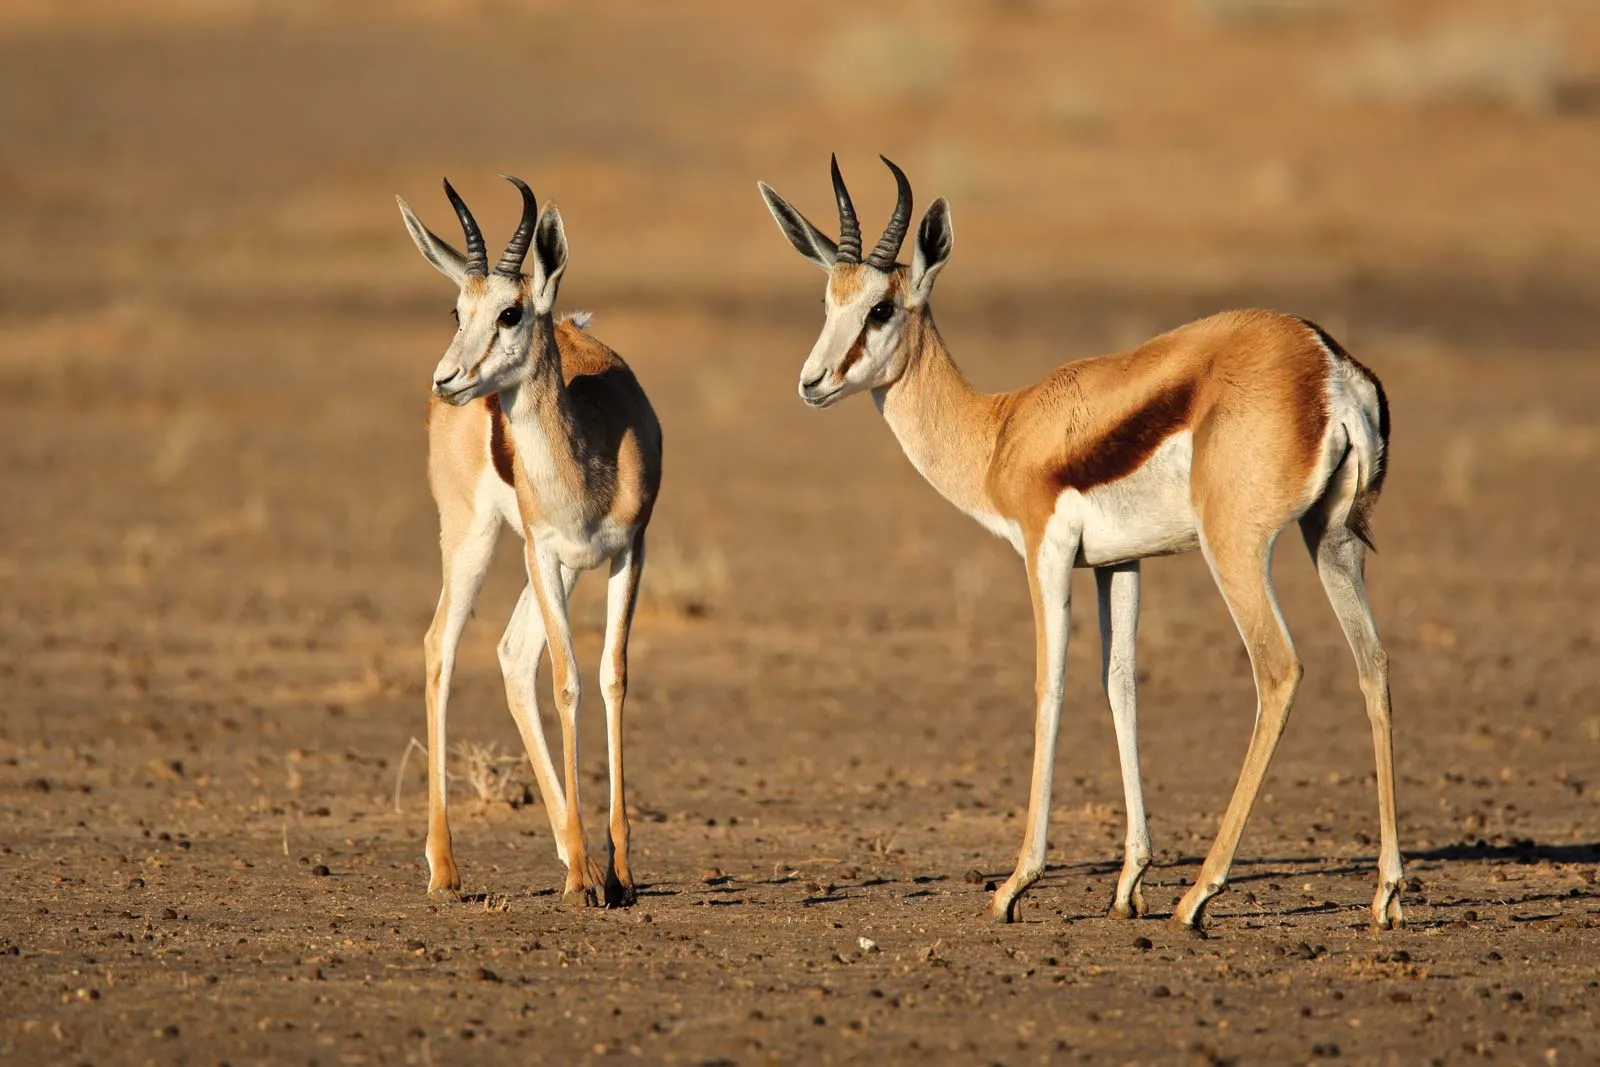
(1515, 68)
(488, 771)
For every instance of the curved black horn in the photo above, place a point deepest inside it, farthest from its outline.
(849, 227)
(477, 258)
(517, 249)
(894, 235)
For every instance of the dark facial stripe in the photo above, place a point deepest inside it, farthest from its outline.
(1131, 442)
(857, 350)
(501, 450)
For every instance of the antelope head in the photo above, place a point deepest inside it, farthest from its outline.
(870, 304)
(502, 316)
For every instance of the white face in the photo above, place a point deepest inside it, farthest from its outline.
(867, 308)
(503, 322)
(493, 341)
(859, 347)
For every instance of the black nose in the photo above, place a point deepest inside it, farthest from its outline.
(814, 382)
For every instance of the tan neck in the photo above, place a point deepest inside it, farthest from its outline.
(946, 427)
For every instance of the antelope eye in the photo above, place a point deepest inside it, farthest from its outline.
(454, 314)
(882, 311)
(511, 316)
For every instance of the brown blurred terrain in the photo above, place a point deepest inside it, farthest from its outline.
(218, 555)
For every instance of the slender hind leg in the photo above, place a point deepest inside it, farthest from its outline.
(1050, 577)
(520, 648)
(1239, 559)
(551, 580)
(1118, 589)
(622, 593)
(467, 545)
(1340, 558)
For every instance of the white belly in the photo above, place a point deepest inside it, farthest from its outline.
(584, 550)
(579, 548)
(1148, 513)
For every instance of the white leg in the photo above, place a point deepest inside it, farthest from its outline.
(1050, 578)
(1118, 589)
(1341, 558)
(622, 593)
(550, 585)
(520, 649)
(467, 553)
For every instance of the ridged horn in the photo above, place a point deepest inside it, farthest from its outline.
(517, 248)
(894, 235)
(477, 257)
(849, 227)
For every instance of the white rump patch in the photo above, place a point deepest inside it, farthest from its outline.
(580, 319)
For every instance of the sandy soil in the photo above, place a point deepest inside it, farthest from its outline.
(217, 552)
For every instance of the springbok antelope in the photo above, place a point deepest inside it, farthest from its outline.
(535, 424)
(1216, 435)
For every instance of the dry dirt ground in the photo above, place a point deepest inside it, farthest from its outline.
(217, 552)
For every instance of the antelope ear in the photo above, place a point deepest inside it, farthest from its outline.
(434, 249)
(549, 258)
(935, 238)
(806, 238)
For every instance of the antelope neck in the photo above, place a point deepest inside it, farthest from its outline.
(945, 427)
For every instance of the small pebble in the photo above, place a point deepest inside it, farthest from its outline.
(321, 870)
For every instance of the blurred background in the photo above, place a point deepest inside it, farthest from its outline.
(233, 151)
(218, 554)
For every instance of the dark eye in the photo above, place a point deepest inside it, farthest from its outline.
(882, 311)
(511, 316)
(454, 314)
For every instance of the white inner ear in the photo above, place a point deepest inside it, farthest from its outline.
(445, 260)
(923, 272)
(545, 280)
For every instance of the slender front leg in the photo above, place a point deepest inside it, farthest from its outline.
(1050, 581)
(468, 547)
(550, 586)
(622, 593)
(520, 648)
(1118, 589)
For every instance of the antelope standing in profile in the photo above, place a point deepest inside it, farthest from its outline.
(535, 424)
(1216, 435)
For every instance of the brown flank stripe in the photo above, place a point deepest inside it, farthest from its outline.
(500, 448)
(1131, 442)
